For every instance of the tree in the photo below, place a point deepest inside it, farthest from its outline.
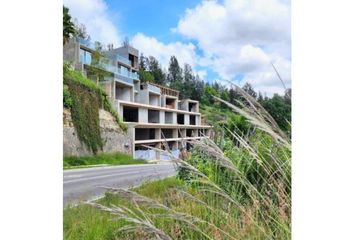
(187, 83)
(216, 86)
(68, 26)
(99, 46)
(143, 62)
(156, 71)
(145, 76)
(233, 95)
(208, 94)
(174, 77)
(81, 30)
(249, 89)
(260, 98)
(197, 88)
(279, 109)
(287, 96)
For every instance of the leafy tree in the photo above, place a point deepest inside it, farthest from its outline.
(208, 94)
(224, 94)
(279, 109)
(145, 76)
(68, 25)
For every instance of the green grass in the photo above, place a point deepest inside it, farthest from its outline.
(85, 222)
(103, 158)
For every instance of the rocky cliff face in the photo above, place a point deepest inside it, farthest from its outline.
(114, 139)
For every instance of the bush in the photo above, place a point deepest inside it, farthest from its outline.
(66, 97)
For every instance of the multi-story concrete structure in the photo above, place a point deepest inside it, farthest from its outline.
(155, 116)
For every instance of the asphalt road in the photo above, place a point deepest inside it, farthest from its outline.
(86, 183)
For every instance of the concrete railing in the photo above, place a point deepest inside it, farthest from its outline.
(154, 88)
(123, 60)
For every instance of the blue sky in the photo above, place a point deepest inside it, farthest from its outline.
(154, 18)
(233, 40)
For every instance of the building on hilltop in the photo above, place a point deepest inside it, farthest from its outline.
(155, 116)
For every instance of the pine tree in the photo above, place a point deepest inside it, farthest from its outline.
(174, 77)
(249, 89)
(68, 25)
(197, 88)
(188, 79)
(156, 71)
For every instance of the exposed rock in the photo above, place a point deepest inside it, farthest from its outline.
(114, 139)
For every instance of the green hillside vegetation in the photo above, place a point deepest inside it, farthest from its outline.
(84, 99)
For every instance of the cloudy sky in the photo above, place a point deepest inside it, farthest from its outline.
(235, 40)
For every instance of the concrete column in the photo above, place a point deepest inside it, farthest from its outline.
(143, 115)
(183, 132)
(158, 133)
(131, 135)
(132, 94)
(162, 117)
(158, 145)
(197, 120)
(175, 133)
(186, 119)
(120, 110)
(174, 118)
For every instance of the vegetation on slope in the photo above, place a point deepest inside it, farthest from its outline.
(240, 190)
(85, 98)
(102, 158)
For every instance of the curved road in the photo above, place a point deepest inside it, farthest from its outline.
(86, 183)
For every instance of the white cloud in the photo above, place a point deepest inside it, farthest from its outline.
(242, 37)
(202, 74)
(93, 14)
(185, 53)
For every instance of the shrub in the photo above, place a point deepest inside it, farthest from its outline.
(67, 101)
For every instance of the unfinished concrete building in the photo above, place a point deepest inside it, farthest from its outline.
(155, 116)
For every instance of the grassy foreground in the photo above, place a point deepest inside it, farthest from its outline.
(104, 158)
(86, 222)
